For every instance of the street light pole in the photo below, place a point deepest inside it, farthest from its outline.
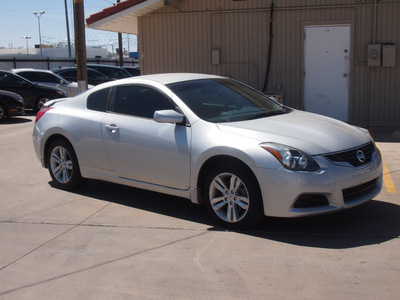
(38, 15)
(66, 19)
(26, 37)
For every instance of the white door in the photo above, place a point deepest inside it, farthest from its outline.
(327, 70)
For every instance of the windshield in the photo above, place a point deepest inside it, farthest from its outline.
(224, 100)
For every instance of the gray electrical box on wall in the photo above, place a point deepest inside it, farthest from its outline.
(388, 55)
(374, 55)
(215, 56)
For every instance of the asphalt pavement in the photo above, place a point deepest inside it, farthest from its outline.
(106, 241)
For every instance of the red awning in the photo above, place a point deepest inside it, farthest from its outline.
(123, 16)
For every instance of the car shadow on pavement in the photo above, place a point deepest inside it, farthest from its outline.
(145, 200)
(371, 223)
(374, 222)
(15, 120)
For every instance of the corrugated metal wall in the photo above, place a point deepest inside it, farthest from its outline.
(181, 36)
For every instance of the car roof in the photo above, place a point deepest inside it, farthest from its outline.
(55, 70)
(103, 66)
(164, 78)
(30, 70)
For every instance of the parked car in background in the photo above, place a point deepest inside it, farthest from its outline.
(11, 104)
(70, 73)
(113, 72)
(49, 78)
(212, 140)
(34, 95)
(134, 71)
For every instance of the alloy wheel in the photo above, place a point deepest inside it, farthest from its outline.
(229, 197)
(61, 164)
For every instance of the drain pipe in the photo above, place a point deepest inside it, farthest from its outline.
(271, 35)
(374, 22)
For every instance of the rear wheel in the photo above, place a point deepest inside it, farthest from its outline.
(63, 165)
(40, 102)
(233, 197)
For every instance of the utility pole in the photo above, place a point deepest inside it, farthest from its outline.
(80, 45)
(120, 51)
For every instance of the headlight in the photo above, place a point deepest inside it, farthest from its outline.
(368, 134)
(291, 158)
(365, 131)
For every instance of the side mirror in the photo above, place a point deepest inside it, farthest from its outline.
(168, 116)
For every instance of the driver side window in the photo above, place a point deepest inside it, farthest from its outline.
(140, 101)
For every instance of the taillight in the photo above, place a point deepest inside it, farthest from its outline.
(42, 112)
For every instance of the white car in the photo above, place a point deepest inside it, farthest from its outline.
(212, 140)
(49, 78)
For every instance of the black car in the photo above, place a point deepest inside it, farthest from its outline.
(34, 95)
(11, 104)
(134, 71)
(113, 72)
(94, 77)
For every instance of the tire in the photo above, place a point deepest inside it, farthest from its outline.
(3, 113)
(63, 165)
(232, 196)
(40, 102)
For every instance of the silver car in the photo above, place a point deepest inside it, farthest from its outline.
(49, 78)
(212, 140)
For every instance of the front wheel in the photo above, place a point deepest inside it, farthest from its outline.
(233, 197)
(3, 112)
(63, 165)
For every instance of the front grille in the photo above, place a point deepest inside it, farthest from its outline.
(356, 192)
(353, 156)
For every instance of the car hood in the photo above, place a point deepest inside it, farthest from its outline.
(10, 94)
(311, 133)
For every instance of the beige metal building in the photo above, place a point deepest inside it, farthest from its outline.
(336, 57)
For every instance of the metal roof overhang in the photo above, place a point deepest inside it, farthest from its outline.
(120, 18)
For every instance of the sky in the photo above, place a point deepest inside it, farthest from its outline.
(17, 20)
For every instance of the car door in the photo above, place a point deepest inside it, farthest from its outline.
(141, 149)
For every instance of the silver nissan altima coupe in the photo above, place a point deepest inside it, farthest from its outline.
(212, 140)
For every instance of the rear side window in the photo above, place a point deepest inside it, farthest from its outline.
(98, 100)
(140, 101)
(40, 77)
(68, 73)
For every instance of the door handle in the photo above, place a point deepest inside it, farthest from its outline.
(112, 127)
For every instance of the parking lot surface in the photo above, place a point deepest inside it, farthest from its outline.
(106, 241)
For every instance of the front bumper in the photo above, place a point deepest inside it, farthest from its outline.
(292, 194)
(17, 111)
